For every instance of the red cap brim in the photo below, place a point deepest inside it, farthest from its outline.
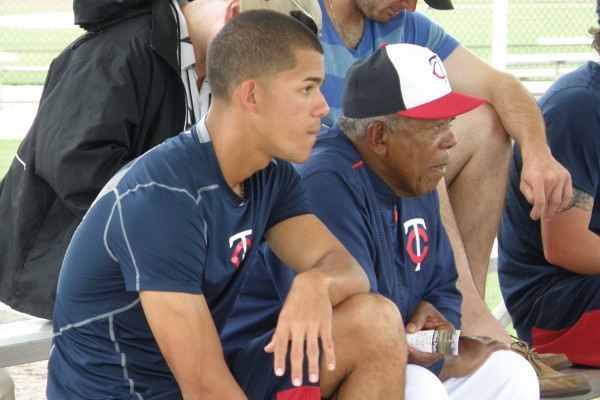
(448, 106)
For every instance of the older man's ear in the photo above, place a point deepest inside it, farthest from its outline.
(377, 137)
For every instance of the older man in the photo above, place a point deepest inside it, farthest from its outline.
(472, 192)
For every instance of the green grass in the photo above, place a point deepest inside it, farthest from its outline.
(8, 148)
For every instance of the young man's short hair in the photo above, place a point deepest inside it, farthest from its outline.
(255, 44)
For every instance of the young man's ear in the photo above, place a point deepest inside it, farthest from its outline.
(233, 9)
(247, 95)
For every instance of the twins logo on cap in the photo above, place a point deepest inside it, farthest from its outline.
(406, 79)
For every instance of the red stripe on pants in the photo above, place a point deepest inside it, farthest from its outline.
(301, 393)
(580, 342)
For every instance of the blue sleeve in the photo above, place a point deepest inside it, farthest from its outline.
(158, 248)
(419, 29)
(291, 199)
(441, 291)
(572, 117)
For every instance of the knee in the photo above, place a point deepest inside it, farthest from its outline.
(373, 320)
(378, 311)
(482, 128)
(483, 144)
(487, 125)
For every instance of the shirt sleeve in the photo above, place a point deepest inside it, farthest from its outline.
(572, 117)
(158, 238)
(421, 30)
(291, 197)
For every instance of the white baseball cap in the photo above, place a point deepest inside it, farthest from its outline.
(294, 8)
(406, 79)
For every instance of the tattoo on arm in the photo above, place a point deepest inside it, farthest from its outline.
(580, 200)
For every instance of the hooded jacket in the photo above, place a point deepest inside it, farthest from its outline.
(110, 96)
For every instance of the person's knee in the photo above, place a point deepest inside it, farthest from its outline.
(371, 320)
(481, 125)
(377, 311)
(482, 140)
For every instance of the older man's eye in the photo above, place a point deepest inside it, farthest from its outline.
(438, 128)
(443, 125)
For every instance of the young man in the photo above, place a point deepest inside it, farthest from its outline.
(353, 29)
(550, 269)
(101, 108)
(157, 262)
(372, 181)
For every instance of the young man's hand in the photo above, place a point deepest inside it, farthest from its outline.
(304, 320)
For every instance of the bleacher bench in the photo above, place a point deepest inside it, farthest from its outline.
(544, 68)
(25, 341)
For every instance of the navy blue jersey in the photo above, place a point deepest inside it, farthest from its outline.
(399, 242)
(571, 110)
(167, 222)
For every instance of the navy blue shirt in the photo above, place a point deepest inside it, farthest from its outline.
(167, 222)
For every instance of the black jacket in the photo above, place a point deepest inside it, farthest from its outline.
(111, 95)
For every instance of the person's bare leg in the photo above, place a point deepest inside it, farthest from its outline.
(477, 320)
(476, 179)
(370, 350)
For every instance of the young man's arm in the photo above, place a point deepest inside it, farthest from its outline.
(327, 275)
(567, 240)
(187, 337)
(545, 183)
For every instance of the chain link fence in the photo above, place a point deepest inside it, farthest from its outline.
(504, 32)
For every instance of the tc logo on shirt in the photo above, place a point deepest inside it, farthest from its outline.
(242, 246)
(416, 243)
